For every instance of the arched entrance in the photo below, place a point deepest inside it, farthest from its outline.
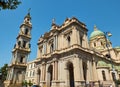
(71, 74)
(50, 76)
(19, 77)
(38, 76)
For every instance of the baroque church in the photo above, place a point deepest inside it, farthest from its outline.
(65, 57)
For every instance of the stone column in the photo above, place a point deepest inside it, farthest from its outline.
(21, 43)
(95, 72)
(77, 69)
(44, 72)
(56, 42)
(77, 72)
(81, 70)
(12, 74)
(78, 37)
(56, 70)
(88, 71)
(74, 36)
(44, 48)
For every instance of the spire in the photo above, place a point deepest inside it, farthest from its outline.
(27, 19)
(95, 28)
(28, 14)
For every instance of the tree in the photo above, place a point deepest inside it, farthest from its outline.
(24, 83)
(9, 4)
(3, 72)
(30, 83)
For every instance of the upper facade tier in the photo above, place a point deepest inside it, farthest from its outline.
(71, 32)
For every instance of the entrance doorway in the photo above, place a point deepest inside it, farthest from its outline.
(71, 74)
(50, 76)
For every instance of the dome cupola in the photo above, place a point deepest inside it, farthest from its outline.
(96, 33)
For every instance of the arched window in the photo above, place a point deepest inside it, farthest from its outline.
(26, 31)
(19, 43)
(68, 40)
(24, 44)
(52, 47)
(104, 76)
(94, 44)
(101, 43)
(21, 60)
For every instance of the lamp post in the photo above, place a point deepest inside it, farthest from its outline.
(107, 35)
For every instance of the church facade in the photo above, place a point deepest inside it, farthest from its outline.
(66, 58)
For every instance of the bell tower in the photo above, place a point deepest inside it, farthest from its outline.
(20, 53)
(21, 49)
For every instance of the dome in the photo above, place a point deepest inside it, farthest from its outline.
(101, 63)
(96, 32)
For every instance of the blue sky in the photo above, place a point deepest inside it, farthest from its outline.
(103, 13)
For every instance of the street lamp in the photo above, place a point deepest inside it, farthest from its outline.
(107, 35)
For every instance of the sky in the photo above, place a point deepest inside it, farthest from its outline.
(105, 14)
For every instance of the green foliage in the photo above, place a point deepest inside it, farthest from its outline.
(9, 4)
(3, 72)
(30, 83)
(24, 83)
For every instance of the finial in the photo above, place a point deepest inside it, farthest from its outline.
(53, 21)
(95, 28)
(29, 11)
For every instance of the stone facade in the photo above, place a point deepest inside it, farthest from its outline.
(66, 58)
